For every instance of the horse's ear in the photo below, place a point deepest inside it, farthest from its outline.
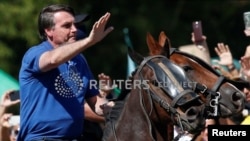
(162, 38)
(153, 45)
(165, 44)
(136, 57)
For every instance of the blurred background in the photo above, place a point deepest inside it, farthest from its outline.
(222, 21)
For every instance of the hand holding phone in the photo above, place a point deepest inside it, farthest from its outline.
(246, 17)
(14, 95)
(197, 29)
(14, 120)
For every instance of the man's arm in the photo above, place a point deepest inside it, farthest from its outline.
(62, 54)
(100, 105)
(226, 59)
(91, 115)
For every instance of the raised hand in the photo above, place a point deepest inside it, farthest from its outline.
(105, 84)
(224, 54)
(4, 120)
(5, 100)
(245, 66)
(99, 29)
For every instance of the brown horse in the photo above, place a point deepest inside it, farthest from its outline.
(157, 101)
(219, 92)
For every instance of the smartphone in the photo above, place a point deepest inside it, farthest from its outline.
(14, 95)
(197, 29)
(246, 17)
(14, 120)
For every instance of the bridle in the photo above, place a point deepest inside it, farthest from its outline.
(164, 71)
(212, 96)
(180, 95)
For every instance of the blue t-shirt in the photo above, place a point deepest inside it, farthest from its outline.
(52, 102)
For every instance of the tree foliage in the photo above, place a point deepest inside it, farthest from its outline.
(222, 22)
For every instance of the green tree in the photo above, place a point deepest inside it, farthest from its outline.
(222, 22)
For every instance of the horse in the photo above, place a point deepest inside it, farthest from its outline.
(223, 95)
(156, 102)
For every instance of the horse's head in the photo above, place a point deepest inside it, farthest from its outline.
(167, 93)
(223, 97)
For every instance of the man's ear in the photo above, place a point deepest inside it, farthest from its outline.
(48, 32)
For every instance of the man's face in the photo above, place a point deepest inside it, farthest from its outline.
(64, 30)
(14, 132)
(247, 93)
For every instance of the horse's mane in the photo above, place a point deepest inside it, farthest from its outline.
(112, 117)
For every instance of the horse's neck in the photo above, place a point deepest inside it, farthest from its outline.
(137, 112)
(162, 130)
(135, 120)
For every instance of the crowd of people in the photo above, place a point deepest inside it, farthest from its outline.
(8, 130)
(225, 65)
(54, 73)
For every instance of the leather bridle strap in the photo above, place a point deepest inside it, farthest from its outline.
(179, 96)
(203, 89)
(145, 60)
(167, 107)
(218, 84)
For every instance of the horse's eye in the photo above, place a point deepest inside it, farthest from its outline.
(187, 68)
